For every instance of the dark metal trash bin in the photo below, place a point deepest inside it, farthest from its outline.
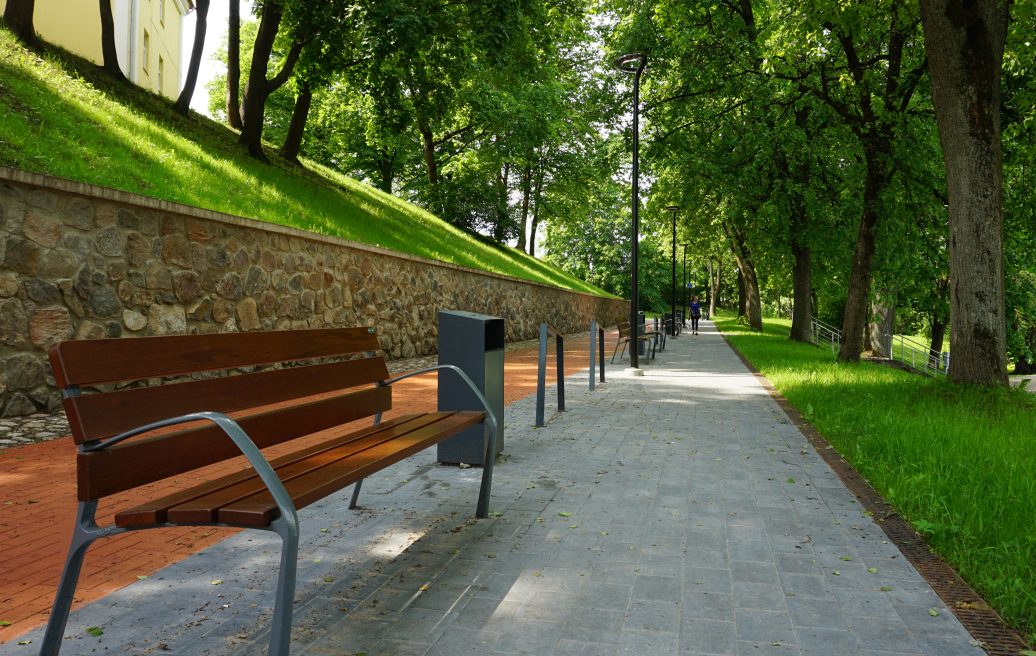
(475, 344)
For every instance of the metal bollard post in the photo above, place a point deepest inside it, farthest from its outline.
(560, 342)
(593, 353)
(541, 377)
(600, 345)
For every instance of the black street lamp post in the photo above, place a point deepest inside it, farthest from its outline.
(672, 326)
(634, 63)
(684, 284)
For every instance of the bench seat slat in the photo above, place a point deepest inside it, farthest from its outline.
(206, 504)
(260, 510)
(99, 416)
(95, 361)
(145, 460)
(154, 512)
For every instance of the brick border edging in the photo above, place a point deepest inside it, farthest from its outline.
(970, 609)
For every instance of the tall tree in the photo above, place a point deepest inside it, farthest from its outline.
(233, 101)
(259, 87)
(965, 40)
(183, 103)
(18, 17)
(108, 52)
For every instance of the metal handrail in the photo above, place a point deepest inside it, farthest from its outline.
(824, 333)
(916, 355)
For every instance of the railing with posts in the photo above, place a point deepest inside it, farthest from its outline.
(825, 334)
(541, 379)
(917, 356)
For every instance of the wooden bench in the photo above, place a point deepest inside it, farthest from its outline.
(624, 340)
(130, 437)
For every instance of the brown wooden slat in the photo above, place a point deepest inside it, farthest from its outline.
(98, 416)
(90, 362)
(155, 511)
(259, 509)
(149, 459)
(205, 508)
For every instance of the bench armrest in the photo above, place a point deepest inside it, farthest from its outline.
(490, 415)
(238, 436)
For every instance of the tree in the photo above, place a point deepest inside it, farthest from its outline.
(233, 101)
(183, 103)
(108, 52)
(965, 45)
(259, 87)
(18, 17)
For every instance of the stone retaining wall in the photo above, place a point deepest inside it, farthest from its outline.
(80, 261)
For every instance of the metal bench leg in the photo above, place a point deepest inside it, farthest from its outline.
(83, 535)
(359, 483)
(356, 494)
(617, 350)
(284, 602)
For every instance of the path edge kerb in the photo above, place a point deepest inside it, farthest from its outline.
(981, 621)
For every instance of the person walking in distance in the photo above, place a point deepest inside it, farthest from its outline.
(695, 314)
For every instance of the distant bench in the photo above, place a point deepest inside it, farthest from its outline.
(132, 437)
(625, 335)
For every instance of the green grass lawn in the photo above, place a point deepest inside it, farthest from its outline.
(61, 116)
(957, 461)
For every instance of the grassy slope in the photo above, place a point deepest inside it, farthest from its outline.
(61, 116)
(955, 460)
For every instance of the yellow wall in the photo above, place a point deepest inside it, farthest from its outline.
(164, 38)
(76, 26)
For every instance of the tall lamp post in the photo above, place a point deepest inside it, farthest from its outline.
(672, 326)
(634, 63)
(684, 284)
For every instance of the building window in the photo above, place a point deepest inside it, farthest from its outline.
(161, 65)
(147, 51)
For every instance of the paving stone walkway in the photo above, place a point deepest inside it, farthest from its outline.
(675, 513)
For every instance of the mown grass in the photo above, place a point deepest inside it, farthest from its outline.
(61, 116)
(957, 461)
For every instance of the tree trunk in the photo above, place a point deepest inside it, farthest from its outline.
(18, 17)
(714, 287)
(234, 65)
(964, 41)
(387, 169)
(259, 88)
(802, 302)
(297, 127)
(537, 202)
(526, 198)
(856, 303)
(742, 303)
(183, 103)
(748, 282)
(428, 144)
(883, 321)
(503, 182)
(109, 54)
(938, 336)
(254, 105)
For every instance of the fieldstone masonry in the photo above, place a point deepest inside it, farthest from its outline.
(85, 262)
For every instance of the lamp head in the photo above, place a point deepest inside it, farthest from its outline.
(634, 62)
(673, 208)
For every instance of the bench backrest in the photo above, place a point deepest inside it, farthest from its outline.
(624, 329)
(299, 399)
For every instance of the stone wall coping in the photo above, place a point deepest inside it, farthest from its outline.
(88, 190)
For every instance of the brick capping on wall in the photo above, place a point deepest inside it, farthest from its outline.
(83, 261)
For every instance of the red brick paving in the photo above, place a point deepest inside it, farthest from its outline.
(37, 508)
